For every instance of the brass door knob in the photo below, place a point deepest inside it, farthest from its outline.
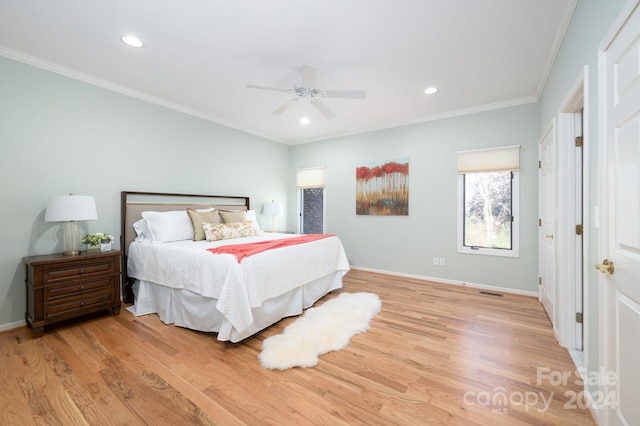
(605, 267)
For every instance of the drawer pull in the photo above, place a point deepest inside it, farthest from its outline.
(81, 288)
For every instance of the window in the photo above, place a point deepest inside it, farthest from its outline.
(488, 199)
(310, 184)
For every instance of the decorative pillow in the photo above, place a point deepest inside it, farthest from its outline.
(169, 226)
(229, 216)
(198, 217)
(224, 231)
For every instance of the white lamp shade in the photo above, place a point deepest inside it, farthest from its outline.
(273, 208)
(64, 208)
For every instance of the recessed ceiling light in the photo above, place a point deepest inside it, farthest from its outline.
(304, 121)
(132, 41)
(430, 90)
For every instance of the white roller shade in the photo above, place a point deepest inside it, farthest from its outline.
(312, 177)
(504, 158)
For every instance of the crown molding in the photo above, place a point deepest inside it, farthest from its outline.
(108, 85)
(433, 117)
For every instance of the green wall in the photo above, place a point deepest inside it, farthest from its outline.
(59, 135)
(407, 244)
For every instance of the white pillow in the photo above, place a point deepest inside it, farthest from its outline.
(169, 226)
(251, 216)
(142, 231)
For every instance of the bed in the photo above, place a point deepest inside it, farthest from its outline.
(195, 283)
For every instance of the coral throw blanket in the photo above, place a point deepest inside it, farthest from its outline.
(240, 251)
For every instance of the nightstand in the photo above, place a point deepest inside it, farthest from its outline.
(63, 287)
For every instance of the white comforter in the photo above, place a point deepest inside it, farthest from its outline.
(239, 287)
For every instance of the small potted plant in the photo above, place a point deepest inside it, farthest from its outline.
(97, 242)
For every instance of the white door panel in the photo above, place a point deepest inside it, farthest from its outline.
(620, 202)
(547, 215)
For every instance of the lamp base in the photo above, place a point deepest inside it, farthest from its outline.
(71, 246)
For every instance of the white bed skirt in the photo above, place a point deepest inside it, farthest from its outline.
(187, 309)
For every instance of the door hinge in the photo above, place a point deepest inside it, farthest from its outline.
(579, 317)
(539, 222)
(539, 280)
(579, 229)
(578, 141)
(539, 164)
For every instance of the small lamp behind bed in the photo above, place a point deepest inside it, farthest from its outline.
(273, 209)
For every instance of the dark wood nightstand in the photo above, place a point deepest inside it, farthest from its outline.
(62, 287)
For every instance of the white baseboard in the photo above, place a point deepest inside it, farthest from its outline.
(578, 358)
(452, 282)
(12, 325)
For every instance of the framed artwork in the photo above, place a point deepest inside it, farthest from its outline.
(383, 188)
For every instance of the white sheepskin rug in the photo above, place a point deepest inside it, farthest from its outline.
(327, 328)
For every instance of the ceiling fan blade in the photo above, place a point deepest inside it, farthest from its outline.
(348, 94)
(324, 109)
(309, 73)
(286, 106)
(275, 89)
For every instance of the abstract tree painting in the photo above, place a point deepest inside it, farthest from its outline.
(383, 188)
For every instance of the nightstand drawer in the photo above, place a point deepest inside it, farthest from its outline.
(58, 291)
(57, 273)
(80, 303)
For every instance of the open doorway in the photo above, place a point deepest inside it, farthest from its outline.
(311, 196)
(311, 210)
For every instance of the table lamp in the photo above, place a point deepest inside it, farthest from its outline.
(273, 209)
(71, 209)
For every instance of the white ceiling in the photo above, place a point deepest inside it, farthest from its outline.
(200, 54)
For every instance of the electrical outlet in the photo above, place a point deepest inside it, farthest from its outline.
(441, 261)
(436, 260)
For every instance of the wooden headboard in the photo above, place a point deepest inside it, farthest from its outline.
(134, 203)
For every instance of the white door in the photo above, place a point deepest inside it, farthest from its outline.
(577, 239)
(620, 231)
(547, 223)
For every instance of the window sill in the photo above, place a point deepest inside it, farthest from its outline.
(489, 252)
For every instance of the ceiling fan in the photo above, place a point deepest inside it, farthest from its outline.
(307, 91)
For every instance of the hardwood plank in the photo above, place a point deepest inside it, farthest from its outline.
(88, 386)
(435, 354)
(14, 408)
(48, 401)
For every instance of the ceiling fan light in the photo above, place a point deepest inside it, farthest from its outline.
(132, 41)
(431, 90)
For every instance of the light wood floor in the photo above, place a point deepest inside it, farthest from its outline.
(435, 354)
